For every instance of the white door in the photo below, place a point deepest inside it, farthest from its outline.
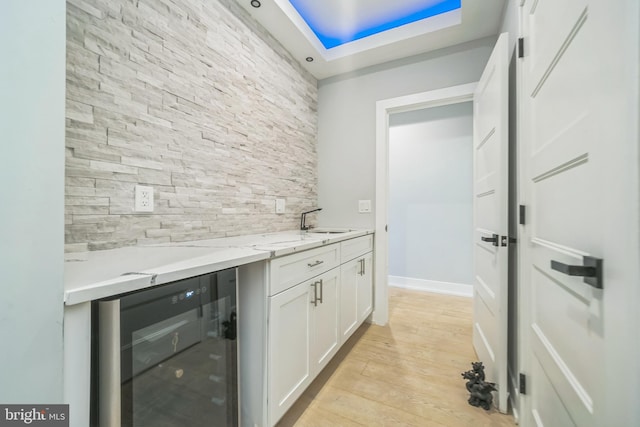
(365, 286)
(565, 224)
(491, 219)
(289, 344)
(324, 320)
(348, 299)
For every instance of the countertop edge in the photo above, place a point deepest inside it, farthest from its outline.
(166, 274)
(217, 260)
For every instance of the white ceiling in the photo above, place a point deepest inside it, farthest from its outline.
(474, 20)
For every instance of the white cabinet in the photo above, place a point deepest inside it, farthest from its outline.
(290, 270)
(289, 348)
(315, 300)
(356, 284)
(365, 287)
(348, 299)
(324, 320)
(303, 323)
(352, 248)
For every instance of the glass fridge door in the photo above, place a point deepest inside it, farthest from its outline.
(184, 368)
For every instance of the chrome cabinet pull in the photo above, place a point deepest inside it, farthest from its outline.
(321, 290)
(315, 294)
(313, 264)
(591, 270)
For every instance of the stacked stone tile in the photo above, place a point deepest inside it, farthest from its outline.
(193, 98)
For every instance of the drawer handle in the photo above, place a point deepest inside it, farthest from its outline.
(314, 264)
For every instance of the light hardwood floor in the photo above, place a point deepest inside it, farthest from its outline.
(404, 374)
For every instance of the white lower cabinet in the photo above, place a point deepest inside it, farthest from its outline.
(303, 337)
(348, 299)
(365, 287)
(289, 348)
(356, 294)
(315, 300)
(325, 340)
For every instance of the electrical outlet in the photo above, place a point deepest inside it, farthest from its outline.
(280, 204)
(143, 199)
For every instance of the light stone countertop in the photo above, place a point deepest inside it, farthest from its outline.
(101, 274)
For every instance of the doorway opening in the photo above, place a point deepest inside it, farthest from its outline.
(384, 109)
(431, 199)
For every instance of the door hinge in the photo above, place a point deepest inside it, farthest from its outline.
(521, 215)
(523, 384)
(521, 47)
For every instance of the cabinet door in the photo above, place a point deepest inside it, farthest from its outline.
(348, 294)
(365, 287)
(324, 338)
(289, 343)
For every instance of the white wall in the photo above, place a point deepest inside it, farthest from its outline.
(431, 194)
(346, 121)
(32, 115)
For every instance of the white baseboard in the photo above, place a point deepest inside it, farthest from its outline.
(458, 289)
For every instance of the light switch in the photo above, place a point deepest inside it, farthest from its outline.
(280, 206)
(364, 206)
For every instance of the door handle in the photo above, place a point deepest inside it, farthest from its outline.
(591, 270)
(493, 239)
(321, 290)
(363, 271)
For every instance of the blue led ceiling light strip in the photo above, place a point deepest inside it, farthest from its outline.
(330, 40)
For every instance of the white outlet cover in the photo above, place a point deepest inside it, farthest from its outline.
(143, 199)
(364, 206)
(280, 206)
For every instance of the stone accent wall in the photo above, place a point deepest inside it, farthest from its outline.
(190, 97)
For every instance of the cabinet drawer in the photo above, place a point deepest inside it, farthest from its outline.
(292, 269)
(353, 248)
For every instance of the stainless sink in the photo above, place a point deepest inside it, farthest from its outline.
(323, 230)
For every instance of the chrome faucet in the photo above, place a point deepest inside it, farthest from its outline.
(303, 218)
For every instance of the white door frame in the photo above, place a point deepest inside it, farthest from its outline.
(384, 108)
